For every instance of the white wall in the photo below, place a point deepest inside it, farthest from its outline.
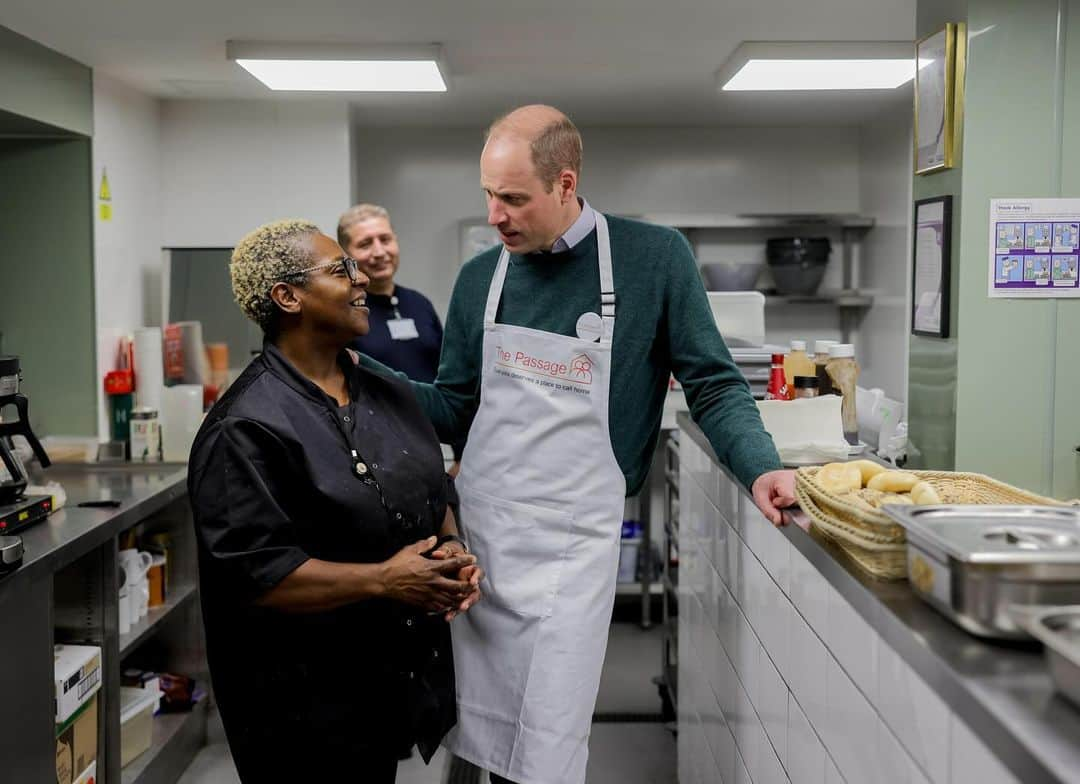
(127, 248)
(430, 181)
(885, 186)
(229, 166)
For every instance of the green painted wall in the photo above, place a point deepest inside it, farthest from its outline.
(1066, 458)
(932, 366)
(47, 279)
(1016, 362)
(43, 85)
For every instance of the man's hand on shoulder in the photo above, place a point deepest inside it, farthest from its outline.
(772, 492)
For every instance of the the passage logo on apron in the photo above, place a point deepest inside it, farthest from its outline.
(568, 375)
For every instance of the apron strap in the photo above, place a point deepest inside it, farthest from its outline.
(607, 283)
(607, 280)
(495, 290)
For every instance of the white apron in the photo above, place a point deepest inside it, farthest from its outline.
(541, 507)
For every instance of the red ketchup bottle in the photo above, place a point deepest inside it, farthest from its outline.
(778, 388)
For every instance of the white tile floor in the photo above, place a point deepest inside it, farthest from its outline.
(619, 753)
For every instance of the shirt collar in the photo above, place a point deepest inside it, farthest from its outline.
(281, 367)
(580, 229)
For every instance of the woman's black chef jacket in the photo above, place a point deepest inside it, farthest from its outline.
(272, 483)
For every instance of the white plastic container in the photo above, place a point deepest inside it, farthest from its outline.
(181, 415)
(136, 722)
(628, 555)
(740, 316)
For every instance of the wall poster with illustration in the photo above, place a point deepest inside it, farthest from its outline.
(1034, 248)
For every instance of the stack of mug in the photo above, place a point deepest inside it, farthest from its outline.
(142, 585)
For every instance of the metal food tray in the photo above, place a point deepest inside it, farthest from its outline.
(1058, 628)
(975, 564)
(1019, 535)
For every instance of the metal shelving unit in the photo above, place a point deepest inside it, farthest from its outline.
(146, 626)
(669, 665)
(850, 303)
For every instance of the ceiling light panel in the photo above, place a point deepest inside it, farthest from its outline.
(822, 75)
(359, 76)
(355, 68)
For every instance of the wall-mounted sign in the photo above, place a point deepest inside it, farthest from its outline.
(105, 198)
(930, 270)
(1034, 248)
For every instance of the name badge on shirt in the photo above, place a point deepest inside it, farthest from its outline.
(402, 329)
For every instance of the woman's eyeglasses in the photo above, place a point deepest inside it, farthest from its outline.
(343, 266)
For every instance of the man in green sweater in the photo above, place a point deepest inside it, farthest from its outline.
(555, 362)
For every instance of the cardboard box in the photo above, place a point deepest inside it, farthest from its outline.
(77, 745)
(77, 672)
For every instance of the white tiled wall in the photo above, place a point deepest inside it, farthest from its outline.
(780, 678)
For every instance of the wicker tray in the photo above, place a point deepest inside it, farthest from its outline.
(876, 543)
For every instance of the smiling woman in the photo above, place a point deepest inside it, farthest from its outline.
(329, 559)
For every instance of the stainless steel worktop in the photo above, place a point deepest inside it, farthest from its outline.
(1002, 691)
(72, 532)
(66, 590)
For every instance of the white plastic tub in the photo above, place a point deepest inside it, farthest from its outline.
(136, 722)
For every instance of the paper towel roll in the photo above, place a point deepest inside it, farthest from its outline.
(149, 368)
(196, 366)
(181, 415)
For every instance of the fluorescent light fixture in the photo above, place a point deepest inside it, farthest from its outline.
(822, 75)
(338, 68)
(784, 66)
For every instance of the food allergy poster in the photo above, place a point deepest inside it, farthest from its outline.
(1034, 247)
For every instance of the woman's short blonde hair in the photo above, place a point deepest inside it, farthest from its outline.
(262, 258)
(355, 214)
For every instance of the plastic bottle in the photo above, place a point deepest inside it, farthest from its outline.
(843, 372)
(821, 357)
(805, 386)
(778, 388)
(798, 363)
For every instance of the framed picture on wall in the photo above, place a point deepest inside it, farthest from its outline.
(939, 80)
(930, 268)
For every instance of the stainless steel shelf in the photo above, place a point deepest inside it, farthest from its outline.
(839, 299)
(176, 739)
(141, 630)
(775, 221)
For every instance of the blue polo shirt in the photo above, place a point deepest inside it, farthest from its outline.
(418, 357)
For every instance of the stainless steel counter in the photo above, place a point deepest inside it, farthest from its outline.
(1002, 692)
(66, 591)
(72, 532)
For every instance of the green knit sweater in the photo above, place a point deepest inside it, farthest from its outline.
(663, 325)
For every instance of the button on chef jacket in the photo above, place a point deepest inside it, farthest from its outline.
(272, 484)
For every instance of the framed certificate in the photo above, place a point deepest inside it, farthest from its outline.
(939, 81)
(930, 275)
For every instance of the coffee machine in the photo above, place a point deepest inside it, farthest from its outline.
(17, 510)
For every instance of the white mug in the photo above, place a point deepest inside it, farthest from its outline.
(137, 563)
(142, 599)
(124, 602)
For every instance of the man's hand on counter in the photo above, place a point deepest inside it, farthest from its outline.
(772, 492)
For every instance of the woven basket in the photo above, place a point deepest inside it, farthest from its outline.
(873, 540)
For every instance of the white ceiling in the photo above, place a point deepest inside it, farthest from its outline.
(627, 62)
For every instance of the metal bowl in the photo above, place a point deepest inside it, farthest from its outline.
(732, 276)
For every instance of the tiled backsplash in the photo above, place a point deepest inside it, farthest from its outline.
(780, 678)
